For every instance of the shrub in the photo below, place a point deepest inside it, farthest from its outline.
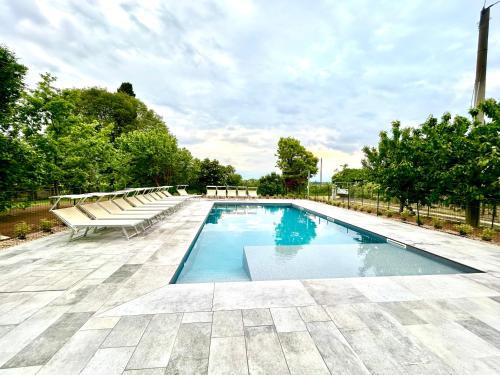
(369, 210)
(21, 230)
(420, 221)
(437, 222)
(464, 229)
(405, 215)
(388, 213)
(46, 225)
(487, 234)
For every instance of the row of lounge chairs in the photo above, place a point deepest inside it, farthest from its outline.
(132, 209)
(231, 192)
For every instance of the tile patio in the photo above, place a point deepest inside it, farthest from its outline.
(104, 305)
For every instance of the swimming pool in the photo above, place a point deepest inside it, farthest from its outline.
(242, 242)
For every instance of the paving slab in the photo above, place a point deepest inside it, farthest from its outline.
(301, 354)
(268, 361)
(257, 317)
(260, 294)
(108, 361)
(42, 348)
(228, 356)
(75, 355)
(128, 331)
(227, 323)
(191, 350)
(156, 343)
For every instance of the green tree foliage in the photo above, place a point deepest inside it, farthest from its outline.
(146, 157)
(88, 139)
(126, 88)
(212, 173)
(271, 184)
(295, 163)
(11, 85)
(350, 174)
(454, 159)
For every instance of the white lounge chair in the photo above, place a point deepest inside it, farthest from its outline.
(252, 192)
(211, 191)
(95, 211)
(232, 192)
(221, 192)
(77, 220)
(113, 208)
(242, 192)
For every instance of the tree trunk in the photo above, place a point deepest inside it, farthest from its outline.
(472, 213)
(401, 205)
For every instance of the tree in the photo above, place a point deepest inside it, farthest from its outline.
(118, 109)
(295, 162)
(350, 174)
(11, 85)
(145, 158)
(126, 88)
(391, 164)
(271, 184)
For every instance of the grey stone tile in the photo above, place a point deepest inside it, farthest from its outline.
(482, 330)
(197, 317)
(227, 323)
(5, 329)
(260, 294)
(157, 342)
(402, 313)
(334, 292)
(73, 356)
(257, 317)
(95, 299)
(301, 354)
(122, 273)
(108, 361)
(268, 361)
(20, 370)
(375, 357)
(228, 356)
(146, 371)
(453, 343)
(314, 313)
(384, 289)
(23, 311)
(107, 322)
(287, 319)
(41, 349)
(336, 352)
(147, 279)
(169, 299)
(20, 336)
(128, 331)
(73, 296)
(191, 350)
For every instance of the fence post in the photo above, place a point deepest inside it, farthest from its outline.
(378, 200)
(362, 194)
(348, 196)
(493, 214)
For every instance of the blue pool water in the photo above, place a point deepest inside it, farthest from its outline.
(270, 242)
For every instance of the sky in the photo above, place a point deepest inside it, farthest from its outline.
(231, 77)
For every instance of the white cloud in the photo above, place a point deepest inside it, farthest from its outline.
(231, 77)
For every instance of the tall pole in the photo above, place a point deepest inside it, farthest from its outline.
(482, 57)
(321, 171)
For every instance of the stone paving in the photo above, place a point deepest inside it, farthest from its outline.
(104, 305)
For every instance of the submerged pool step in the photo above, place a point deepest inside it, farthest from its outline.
(396, 243)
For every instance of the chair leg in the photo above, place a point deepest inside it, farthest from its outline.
(125, 233)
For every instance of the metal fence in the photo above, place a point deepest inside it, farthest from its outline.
(359, 196)
(30, 207)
